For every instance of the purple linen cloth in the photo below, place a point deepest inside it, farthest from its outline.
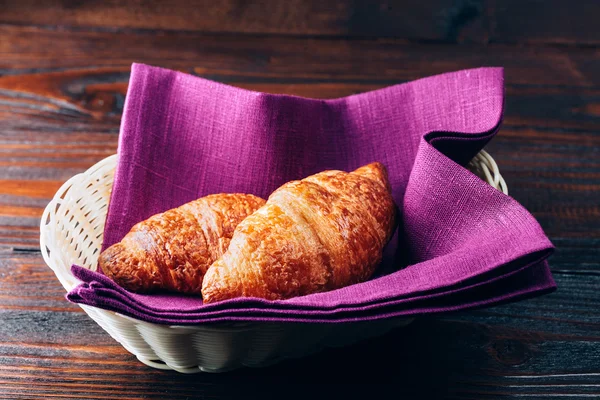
(468, 245)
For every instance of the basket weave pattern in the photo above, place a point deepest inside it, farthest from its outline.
(71, 233)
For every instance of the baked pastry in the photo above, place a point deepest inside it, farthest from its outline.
(321, 233)
(172, 251)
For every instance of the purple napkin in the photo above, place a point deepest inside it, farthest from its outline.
(466, 244)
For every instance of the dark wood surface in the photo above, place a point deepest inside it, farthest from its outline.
(64, 68)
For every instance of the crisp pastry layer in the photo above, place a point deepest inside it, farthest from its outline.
(321, 233)
(171, 251)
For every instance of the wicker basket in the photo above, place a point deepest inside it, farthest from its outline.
(71, 233)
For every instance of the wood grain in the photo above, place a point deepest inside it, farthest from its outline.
(284, 59)
(64, 68)
(480, 21)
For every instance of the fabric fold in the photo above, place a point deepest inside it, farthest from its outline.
(461, 244)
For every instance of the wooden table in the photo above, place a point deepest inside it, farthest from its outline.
(63, 77)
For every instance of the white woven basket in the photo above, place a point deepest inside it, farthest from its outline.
(71, 233)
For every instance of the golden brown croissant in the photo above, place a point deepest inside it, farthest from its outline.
(172, 251)
(321, 233)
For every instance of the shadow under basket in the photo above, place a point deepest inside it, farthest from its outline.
(71, 233)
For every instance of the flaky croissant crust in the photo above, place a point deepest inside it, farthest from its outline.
(171, 251)
(321, 233)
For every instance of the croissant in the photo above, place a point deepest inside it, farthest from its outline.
(318, 234)
(172, 251)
